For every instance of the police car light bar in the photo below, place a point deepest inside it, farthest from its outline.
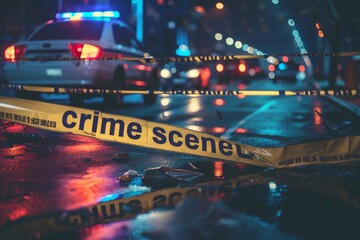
(82, 15)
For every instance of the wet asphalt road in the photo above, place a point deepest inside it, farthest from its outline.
(67, 172)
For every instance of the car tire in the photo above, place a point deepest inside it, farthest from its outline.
(154, 85)
(118, 83)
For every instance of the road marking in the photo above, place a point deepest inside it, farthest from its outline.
(229, 131)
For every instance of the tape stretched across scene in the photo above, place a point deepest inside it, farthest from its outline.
(142, 133)
(200, 58)
(62, 90)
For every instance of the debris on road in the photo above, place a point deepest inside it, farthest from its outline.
(121, 157)
(166, 176)
(128, 176)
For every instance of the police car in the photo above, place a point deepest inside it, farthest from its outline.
(87, 36)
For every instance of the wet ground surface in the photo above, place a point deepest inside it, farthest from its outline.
(62, 186)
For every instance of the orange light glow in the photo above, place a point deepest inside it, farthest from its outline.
(285, 59)
(199, 9)
(219, 102)
(12, 53)
(241, 96)
(321, 34)
(242, 67)
(317, 117)
(241, 130)
(219, 67)
(317, 25)
(205, 74)
(90, 52)
(140, 83)
(218, 129)
(75, 18)
(218, 169)
(302, 68)
(219, 5)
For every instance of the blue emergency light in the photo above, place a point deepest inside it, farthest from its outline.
(87, 15)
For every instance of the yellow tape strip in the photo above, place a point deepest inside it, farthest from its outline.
(204, 58)
(42, 89)
(138, 132)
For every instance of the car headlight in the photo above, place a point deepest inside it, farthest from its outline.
(193, 73)
(165, 73)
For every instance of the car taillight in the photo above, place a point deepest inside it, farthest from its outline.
(85, 51)
(242, 67)
(14, 52)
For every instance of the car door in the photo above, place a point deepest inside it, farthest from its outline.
(128, 46)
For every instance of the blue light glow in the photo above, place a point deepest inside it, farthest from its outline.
(82, 15)
(295, 33)
(183, 51)
(291, 22)
(282, 66)
(109, 197)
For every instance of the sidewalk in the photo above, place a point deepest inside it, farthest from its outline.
(351, 103)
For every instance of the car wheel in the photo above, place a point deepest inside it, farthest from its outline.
(154, 85)
(118, 83)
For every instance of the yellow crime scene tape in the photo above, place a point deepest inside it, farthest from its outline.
(200, 58)
(63, 90)
(138, 132)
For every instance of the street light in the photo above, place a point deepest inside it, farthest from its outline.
(219, 5)
(320, 31)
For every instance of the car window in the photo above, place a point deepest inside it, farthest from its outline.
(81, 30)
(124, 36)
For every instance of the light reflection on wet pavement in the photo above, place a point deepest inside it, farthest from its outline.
(228, 199)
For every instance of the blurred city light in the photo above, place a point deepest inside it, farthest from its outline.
(242, 67)
(320, 34)
(199, 9)
(275, 1)
(272, 186)
(171, 25)
(219, 67)
(229, 41)
(271, 68)
(291, 22)
(219, 102)
(219, 5)
(218, 36)
(238, 44)
(183, 50)
(271, 75)
(245, 47)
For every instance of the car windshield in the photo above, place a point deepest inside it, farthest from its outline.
(78, 30)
